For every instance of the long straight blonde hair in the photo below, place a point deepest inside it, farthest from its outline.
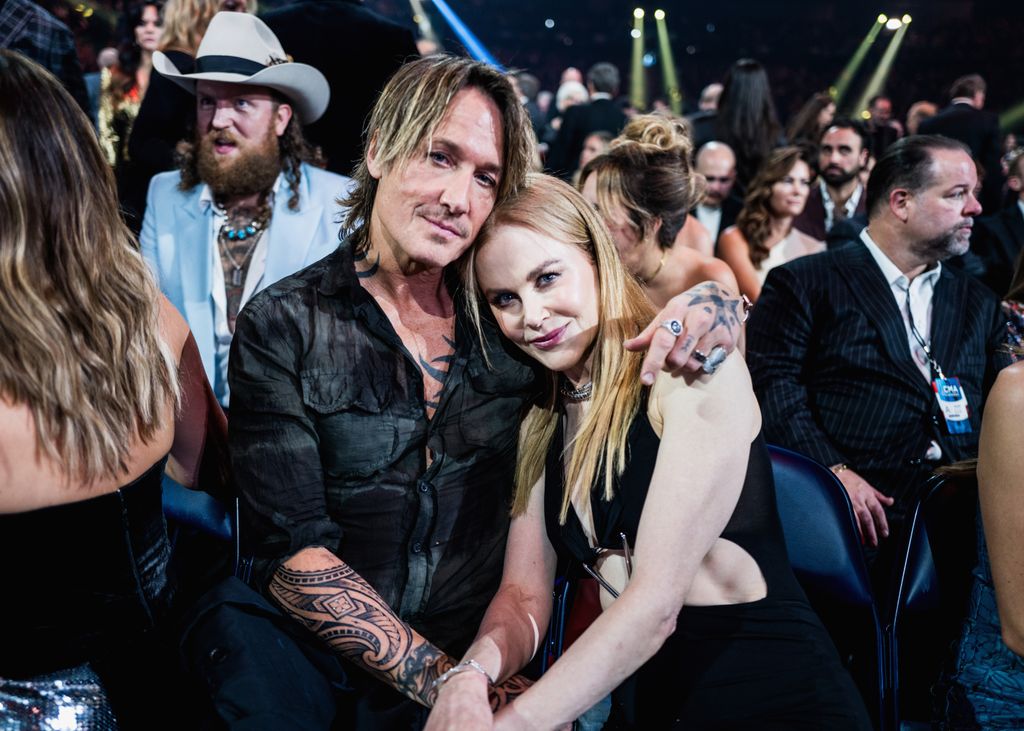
(599, 451)
(79, 311)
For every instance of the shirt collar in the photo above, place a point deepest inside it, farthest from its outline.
(206, 195)
(890, 271)
(600, 95)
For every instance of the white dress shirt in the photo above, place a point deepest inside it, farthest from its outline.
(710, 217)
(849, 209)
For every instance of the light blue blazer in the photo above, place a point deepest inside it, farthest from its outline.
(176, 243)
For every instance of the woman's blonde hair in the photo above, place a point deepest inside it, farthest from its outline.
(647, 172)
(186, 21)
(755, 219)
(552, 208)
(79, 311)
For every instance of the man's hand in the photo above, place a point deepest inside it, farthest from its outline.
(462, 703)
(868, 505)
(711, 317)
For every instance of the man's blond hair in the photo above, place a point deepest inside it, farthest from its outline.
(410, 108)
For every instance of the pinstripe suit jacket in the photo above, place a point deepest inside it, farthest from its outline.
(827, 349)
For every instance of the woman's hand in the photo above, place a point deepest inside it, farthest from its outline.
(710, 316)
(462, 703)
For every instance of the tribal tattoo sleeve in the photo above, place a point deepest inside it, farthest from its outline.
(338, 606)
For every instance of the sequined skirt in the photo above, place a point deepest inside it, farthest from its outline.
(67, 700)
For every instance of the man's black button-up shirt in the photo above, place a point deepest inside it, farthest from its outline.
(329, 442)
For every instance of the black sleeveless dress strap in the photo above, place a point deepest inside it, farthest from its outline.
(767, 664)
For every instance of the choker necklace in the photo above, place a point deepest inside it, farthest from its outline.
(661, 263)
(576, 394)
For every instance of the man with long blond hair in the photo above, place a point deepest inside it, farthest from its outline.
(373, 438)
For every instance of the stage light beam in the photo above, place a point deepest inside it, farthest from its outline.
(877, 81)
(893, 24)
(668, 65)
(638, 79)
(842, 84)
(471, 42)
(422, 21)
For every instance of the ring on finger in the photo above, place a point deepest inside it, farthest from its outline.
(673, 326)
(715, 358)
(699, 355)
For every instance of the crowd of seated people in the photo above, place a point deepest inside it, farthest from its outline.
(450, 379)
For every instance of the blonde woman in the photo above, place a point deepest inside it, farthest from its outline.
(89, 387)
(764, 236)
(664, 492)
(644, 187)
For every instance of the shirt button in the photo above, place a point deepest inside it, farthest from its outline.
(423, 487)
(417, 547)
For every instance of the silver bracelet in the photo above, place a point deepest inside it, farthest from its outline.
(461, 668)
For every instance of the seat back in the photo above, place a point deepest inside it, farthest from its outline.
(820, 529)
(931, 591)
(825, 551)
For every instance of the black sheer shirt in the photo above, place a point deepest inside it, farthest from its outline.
(329, 441)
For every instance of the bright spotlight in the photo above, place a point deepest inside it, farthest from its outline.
(865, 114)
(549, 23)
(893, 23)
(907, 19)
(660, 15)
(638, 13)
(635, 33)
(882, 17)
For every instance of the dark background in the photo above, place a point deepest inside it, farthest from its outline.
(804, 45)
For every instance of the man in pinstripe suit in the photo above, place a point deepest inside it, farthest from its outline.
(844, 346)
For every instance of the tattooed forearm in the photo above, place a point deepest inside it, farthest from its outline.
(337, 605)
(345, 612)
(504, 693)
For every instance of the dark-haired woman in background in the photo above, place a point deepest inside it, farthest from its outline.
(89, 391)
(763, 236)
(812, 120)
(122, 89)
(746, 119)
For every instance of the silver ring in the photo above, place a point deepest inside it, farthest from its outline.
(715, 358)
(698, 355)
(673, 326)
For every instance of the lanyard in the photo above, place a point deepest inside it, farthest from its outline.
(936, 368)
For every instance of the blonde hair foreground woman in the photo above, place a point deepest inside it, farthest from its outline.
(88, 393)
(666, 492)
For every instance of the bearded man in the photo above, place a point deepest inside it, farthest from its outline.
(248, 206)
(874, 358)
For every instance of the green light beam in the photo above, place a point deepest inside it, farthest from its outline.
(842, 84)
(668, 65)
(878, 78)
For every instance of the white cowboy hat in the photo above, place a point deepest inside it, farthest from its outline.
(240, 49)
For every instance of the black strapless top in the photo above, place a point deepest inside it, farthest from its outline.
(754, 524)
(81, 580)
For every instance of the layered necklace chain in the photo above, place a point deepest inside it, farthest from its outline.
(576, 394)
(240, 225)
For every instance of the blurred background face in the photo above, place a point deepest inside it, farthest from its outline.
(626, 236)
(826, 115)
(789, 195)
(881, 110)
(147, 32)
(592, 147)
(719, 168)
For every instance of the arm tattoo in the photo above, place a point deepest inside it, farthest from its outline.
(338, 606)
(439, 371)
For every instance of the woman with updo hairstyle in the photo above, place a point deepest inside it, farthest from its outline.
(96, 366)
(764, 237)
(644, 188)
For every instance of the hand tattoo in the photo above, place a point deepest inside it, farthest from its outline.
(726, 307)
